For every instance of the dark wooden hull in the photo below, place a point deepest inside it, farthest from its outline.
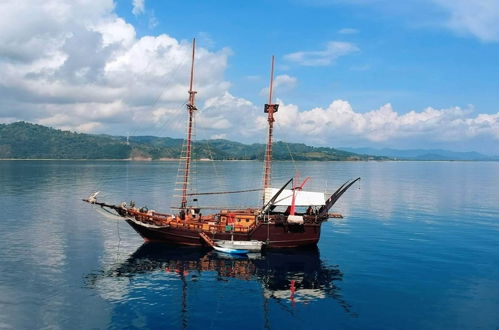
(274, 235)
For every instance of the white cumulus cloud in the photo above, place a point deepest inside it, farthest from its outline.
(341, 124)
(479, 18)
(77, 65)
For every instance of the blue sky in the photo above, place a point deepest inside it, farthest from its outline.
(406, 54)
(379, 73)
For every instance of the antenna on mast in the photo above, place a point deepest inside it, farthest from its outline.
(191, 108)
(270, 109)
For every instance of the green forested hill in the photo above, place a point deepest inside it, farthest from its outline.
(23, 140)
(30, 141)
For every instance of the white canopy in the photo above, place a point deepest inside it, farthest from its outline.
(303, 198)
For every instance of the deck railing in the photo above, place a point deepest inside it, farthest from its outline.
(161, 219)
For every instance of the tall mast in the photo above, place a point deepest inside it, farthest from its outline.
(270, 109)
(191, 108)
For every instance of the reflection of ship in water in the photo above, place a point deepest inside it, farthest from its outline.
(297, 276)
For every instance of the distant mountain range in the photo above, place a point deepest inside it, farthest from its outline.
(23, 140)
(423, 154)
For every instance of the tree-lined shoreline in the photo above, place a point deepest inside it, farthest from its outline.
(22, 140)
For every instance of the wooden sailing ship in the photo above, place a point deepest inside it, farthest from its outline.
(276, 223)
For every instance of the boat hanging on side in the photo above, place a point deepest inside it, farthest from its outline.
(276, 223)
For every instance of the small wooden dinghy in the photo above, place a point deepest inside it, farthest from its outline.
(233, 247)
(230, 251)
(250, 246)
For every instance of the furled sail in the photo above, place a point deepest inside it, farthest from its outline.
(303, 198)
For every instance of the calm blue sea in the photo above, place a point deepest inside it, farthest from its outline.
(418, 249)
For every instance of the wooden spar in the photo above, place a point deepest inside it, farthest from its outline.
(269, 204)
(295, 189)
(268, 152)
(271, 81)
(191, 107)
(335, 196)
